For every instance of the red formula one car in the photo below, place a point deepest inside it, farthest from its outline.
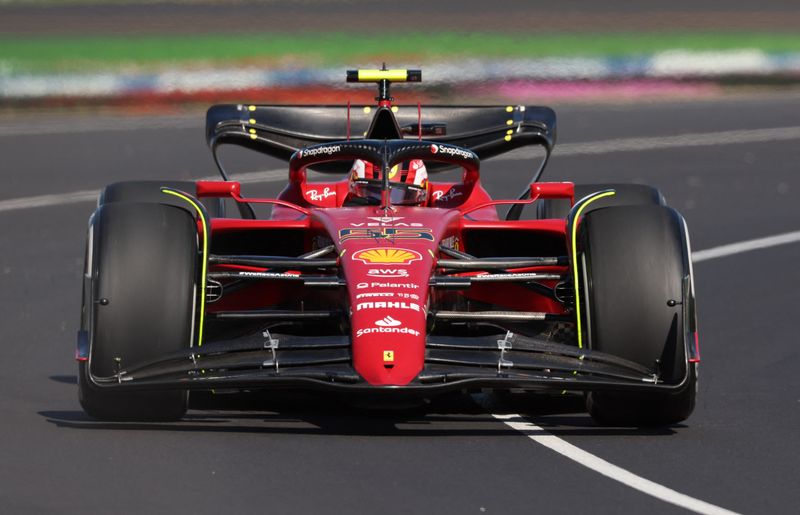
(382, 282)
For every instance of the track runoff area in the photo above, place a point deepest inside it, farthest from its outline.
(517, 422)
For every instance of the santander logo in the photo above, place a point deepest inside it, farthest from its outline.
(387, 322)
(387, 325)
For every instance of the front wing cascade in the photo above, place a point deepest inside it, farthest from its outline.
(324, 362)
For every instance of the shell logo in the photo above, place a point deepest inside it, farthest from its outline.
(384, 255)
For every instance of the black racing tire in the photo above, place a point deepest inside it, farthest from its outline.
(626, 195)
(144, 271)
(644, 411)
(636, 259)
(150, 191)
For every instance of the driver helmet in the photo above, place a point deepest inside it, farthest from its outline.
(408, 182)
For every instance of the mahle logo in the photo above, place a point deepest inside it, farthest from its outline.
(388, 305)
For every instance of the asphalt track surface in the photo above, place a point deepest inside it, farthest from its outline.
(739, 450)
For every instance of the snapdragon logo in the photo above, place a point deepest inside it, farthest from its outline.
(308, 152)
(452, 151)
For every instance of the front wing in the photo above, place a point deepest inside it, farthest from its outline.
(323, 362)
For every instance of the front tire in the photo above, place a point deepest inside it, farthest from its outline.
(626, 195)
(144, 263)
(637, 268)
(150, 191)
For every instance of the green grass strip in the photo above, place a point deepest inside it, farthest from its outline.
(64, 53)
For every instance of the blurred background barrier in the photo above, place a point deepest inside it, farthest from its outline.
(149, 52)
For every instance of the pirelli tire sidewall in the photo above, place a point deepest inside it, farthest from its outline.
(143, 287)
(150, 191)
(625, 195)
(637, 259)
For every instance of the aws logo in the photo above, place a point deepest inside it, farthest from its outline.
(387, 272)
(386, 233)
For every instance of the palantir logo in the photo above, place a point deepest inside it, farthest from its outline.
(387, 322)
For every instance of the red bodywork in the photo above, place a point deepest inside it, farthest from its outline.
(387, 258)
(342, 291)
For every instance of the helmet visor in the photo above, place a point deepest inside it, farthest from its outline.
(399, 194)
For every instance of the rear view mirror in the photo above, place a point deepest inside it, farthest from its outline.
(553, 190)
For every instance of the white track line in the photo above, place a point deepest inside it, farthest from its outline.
(601, 466)
(745, 246)
(701, 139)
(275, 175)
(531, 430)
(568, 149)
(55, 199)
(60, 199)
(678, 141)
(69, 125)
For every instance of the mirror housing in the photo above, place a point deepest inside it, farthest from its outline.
(219, 189)
(553, 190)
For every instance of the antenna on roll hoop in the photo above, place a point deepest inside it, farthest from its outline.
(386, 197)
(384, 79)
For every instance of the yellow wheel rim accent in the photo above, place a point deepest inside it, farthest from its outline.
(575, 259)
(205, 258)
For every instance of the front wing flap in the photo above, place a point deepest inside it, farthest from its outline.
(323, 362)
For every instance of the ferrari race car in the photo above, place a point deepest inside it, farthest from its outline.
(356, 286)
